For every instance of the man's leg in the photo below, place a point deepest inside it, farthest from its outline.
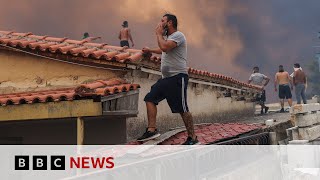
(151, 132)
(188, 122)
(152, 99)
(298, 93)
(262, 106)
(282, 103)
(261, 103)
(152, 115)
(290, 102)
(303, 94)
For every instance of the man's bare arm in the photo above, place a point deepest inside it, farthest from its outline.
(155, 50)
(119, 35)
(165, 45)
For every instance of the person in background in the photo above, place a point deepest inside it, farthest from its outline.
(85, 35)
(125, 35)
(262, 80)
(282, 79)
(299, 82)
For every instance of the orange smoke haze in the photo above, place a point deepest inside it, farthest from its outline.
(224, 36)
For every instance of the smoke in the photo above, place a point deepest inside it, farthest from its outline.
(224, 36)
(211, 40)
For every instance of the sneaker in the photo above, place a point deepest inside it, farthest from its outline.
(282, 110)
(148, 135)
(266, 109)
(190, 141)
(261, 112)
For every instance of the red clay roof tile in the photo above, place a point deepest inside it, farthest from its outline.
(210, 133)
(87, 49)
(86, 91)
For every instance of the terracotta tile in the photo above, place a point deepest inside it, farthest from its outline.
(73, 41)
(24, 44)
(21, 34)
(54, 48)
(112, 82)
(93, 45)
(37, 37)
(99, 53)
(32, 99)
(35, 45)
(5, 40)
(114, 48)
(111, 86)
(208, 134)
(45, 46)
(88, 49)
(135, 57)
(6, 32)
(66, 49)
(76, 51)
(14, 43)
(112, 90)
(110, 55)
(87, 52)
(102, 91)
(121, 56)
(53, 39)
(134, 51)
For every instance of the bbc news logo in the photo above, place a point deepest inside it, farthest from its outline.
(40, 162)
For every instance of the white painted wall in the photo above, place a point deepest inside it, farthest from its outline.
(202, 101)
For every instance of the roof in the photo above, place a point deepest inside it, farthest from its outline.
(84, 91)
(210, 133)
(100, 54)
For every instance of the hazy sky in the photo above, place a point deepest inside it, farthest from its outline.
(224, 36)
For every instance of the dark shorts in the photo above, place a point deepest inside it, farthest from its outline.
(173, 89)
(285, 92)
(124, 43)
(261, 97)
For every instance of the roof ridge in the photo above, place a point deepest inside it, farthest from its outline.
(80, 49)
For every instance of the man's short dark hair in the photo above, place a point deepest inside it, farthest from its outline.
(281, 69)
(173, 18)
(297, 65)
(125, 24)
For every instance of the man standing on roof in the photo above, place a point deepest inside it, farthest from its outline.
(174, 82)
(125, 35)
(257, 79)
(282, 78)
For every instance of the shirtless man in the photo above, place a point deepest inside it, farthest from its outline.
(125, 35)
(282, 79)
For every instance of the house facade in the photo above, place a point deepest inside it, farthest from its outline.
(37, 63)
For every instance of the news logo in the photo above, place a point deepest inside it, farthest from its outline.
(54, 162)
(21, 163)
(39, 162)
